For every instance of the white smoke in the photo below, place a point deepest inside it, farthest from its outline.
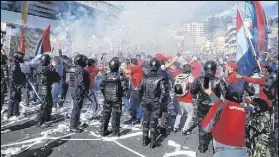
(141, 27)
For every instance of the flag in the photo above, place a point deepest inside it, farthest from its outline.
(259, 25)
(44, 43)
(22, 41)
(245, 56)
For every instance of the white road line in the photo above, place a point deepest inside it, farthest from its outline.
(188, 153)
(128, 149)
(18, 120)
(34, 140)
(178, 150)
(75, 139)
(115, 138)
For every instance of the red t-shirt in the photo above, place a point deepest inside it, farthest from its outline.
(196, 69)
(176, 72)
(93, 71)
(136, 75)
(229, 129)
(261, 82)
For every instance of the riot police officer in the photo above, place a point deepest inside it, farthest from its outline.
(4, 77)
(203, 101)
(16, 82)
(46, 76)
(113, 88)
(80, 83)
(153, 90)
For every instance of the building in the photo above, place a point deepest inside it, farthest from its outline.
(195, 29)
(230, 39)
(44, 13)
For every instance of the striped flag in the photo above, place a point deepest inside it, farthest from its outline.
(246, 61)
(44, 43)
(259, 25)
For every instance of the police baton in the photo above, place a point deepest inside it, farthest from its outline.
(32, 86)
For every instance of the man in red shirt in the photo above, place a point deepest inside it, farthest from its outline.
(226, 121)
(196, 67)
(136, 73)
(185, 104)
(266, 71)
(93, 71)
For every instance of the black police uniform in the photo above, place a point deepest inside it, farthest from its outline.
(203, 101)
(17, 80)
(113, 87)
(46, 75)
(80, 83)
(4, 77)
(153, 90)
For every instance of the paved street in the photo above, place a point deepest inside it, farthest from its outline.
(56, 141)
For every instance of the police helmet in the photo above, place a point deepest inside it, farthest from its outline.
(80, 60)
(114, 64)
(155, 64)
(210, 68)
(45, 59)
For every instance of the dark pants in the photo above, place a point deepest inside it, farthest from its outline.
(45, 109)
(65, 87)
(3, 91)
(204, 138)
(135, 103)
(77, 105)
(114, 109)
(150, 119)
(163, 114)
(15, 98)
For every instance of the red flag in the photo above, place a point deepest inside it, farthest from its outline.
(22, 41)
(239, 21)
(44, 43)
(261, 26)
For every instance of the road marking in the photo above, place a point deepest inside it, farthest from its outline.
(34, 140)
(75, 139)
(178, 150)
(189, 153)
(128, 149)
(115, 138)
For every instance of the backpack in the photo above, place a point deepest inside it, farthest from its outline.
(181, 85)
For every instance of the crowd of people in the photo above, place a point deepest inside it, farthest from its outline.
(240, 119)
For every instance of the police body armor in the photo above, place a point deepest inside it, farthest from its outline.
(218, 87)
(4, 76)
(16, 76)
(71, 77)
(42, 80)
(112, 88)
(150, 85)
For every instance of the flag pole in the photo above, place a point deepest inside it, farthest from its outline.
(249, 38)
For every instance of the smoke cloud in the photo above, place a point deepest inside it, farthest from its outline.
(141, 27)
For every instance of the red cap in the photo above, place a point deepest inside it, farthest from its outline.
(161, 57)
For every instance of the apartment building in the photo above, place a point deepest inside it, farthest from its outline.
(195, 29)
